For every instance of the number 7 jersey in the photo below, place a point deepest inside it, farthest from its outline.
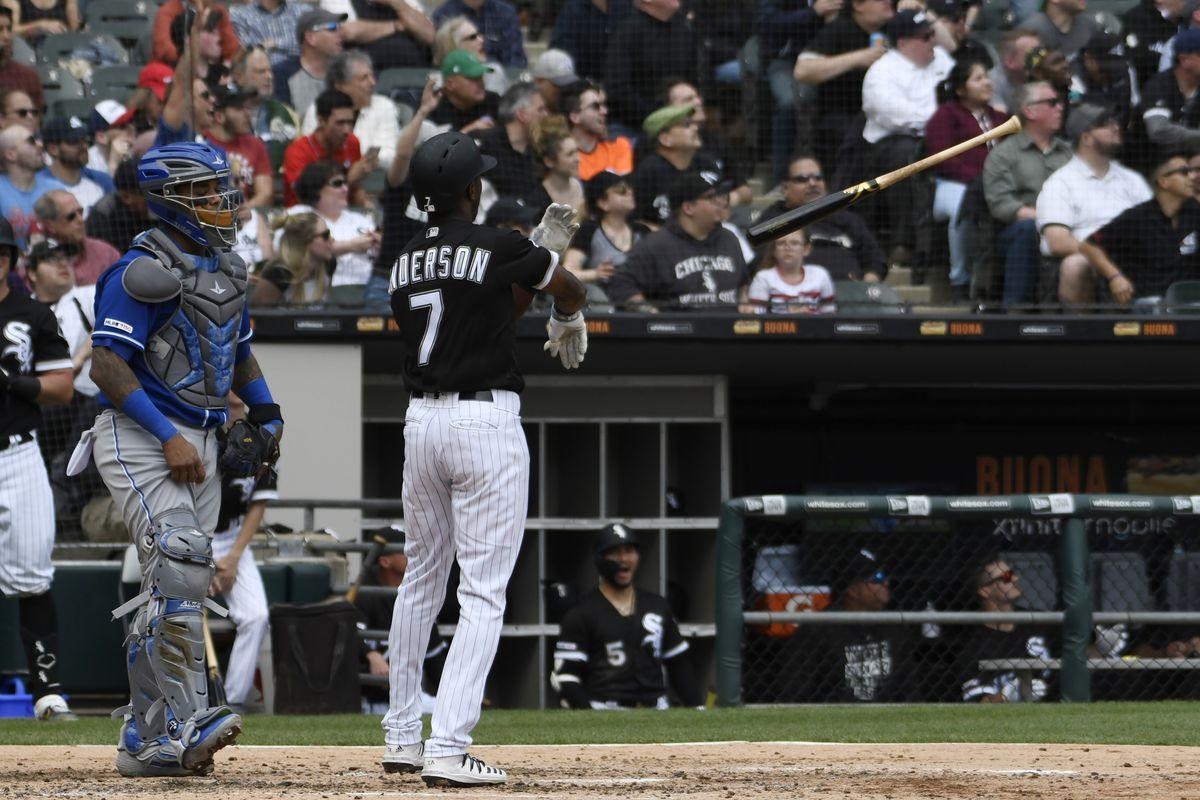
(451, 290)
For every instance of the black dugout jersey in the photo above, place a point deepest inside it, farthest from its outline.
(619, 659)
(31, 343)
(452, 297)
(238, 493)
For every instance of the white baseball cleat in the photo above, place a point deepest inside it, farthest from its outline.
(464, 770)
(404, 758)
(53, 708)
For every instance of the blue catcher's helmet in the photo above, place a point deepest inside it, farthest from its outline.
(167, 175)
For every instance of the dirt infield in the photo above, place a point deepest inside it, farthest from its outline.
(725, 771)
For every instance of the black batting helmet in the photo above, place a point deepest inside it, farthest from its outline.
(443, 168)
(611, 536)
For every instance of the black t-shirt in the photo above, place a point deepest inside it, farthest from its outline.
(1151, 251)
(1147, 32)
(843, 94)
(620, 659)
(1161, 93)
(394, 50)
(446, 113)
(515, 174)
(841, 243)
(859, 664)
(452, 296)
(980, 643)
(652, 181)
(238, 493)
(31, 344)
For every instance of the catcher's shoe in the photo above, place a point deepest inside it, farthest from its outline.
(404, 758)
(206, 733)
(53, 708)
(464, 770)
(159, 758)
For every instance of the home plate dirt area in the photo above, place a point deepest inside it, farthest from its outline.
(726, 770)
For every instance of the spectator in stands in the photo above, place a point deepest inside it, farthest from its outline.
(1148, 27)
(376, 610)
(1148, 247)
(168, 52)
(465, 105)
(517, 172)
(254, 236)
(552, 71)
(786, 285)
(189, 102)
(66, 142)
(1049, 65)
(513, 213)
(377, 125)
(966, 113)
(394, 33)
(997, 588)
(18, 109)
(52, 279)
(1062, 25)
(497, 21)
(272, 120)
(559, 159)
(320, 35)
(678, 92)
(24, 180)
(120, 216)
(34, 21)
(1101, 76)
(1008, 76)
(300, 273)
(207, 62)
(841, 242)
(677, 150)
(459, 33)
(654, 42)
(331, 141)
(112, 134)
(1013, 175)
(606, 238)
(323, 188)
(1170, 117)
(584, 28)
(14, 75)
(586, 105)
(836, 61)
(899, 96)
(270, 24)
(784, 28)
(61, 218)
(692, 262)
(150, 96)
(247, 155)
(1083, 195)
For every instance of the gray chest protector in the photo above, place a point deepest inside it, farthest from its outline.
(193, 353)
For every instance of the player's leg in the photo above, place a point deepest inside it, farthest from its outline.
(490, 464)
(428, 520)
(26, 571)
(171, 729)
(247, 601)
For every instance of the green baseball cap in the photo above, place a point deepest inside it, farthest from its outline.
(460, 62)
(664, 118)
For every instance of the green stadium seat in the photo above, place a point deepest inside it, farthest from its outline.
(124, 20)
(22, 52)
(1182, 297)
(860, 297)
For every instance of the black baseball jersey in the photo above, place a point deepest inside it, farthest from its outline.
(982, 643)
(452, 297)
(31, 344)
(619, 659)
(238, 493)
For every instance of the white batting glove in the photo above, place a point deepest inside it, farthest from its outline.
(557, 228)
(567, 338)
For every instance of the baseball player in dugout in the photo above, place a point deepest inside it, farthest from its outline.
(172, 339)
(35, 370)
(457, 289)
(615, 644)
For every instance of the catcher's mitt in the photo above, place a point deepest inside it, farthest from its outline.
(250, 450)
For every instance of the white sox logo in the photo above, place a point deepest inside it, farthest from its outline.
(653, 624)
(19, 336)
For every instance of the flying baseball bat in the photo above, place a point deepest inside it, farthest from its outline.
(372, 555)
(214, 668)
(824, 206)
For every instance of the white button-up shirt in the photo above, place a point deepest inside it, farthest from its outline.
(76, 316)
(900, 97)
(1078, 199)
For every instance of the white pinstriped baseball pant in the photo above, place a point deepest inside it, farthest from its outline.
(26, 522)
(466, 488)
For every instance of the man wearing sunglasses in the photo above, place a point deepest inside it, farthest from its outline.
(61, 219)
(24, 179)
(320, 36)
(996, 587)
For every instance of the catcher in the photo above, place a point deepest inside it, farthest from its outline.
(172, 339)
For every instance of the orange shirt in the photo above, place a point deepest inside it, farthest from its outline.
(616, 155)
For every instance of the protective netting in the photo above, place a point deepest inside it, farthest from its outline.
(831, 567)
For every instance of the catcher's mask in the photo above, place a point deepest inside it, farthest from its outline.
(188, 186)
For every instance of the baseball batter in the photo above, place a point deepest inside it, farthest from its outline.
(466, 466)
(172, 337)
(35, 370)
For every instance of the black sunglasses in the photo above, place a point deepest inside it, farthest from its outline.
(1008, 576)
(1053, 102)
(71, 216)
(337, 183)
(26, 112)
(813, 178)
(325, 234)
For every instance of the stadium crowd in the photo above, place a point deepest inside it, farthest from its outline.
(627, 106)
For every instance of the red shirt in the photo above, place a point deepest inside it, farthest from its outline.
(97, 256)
(951, 124)
(247, 158)
(306, 150)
